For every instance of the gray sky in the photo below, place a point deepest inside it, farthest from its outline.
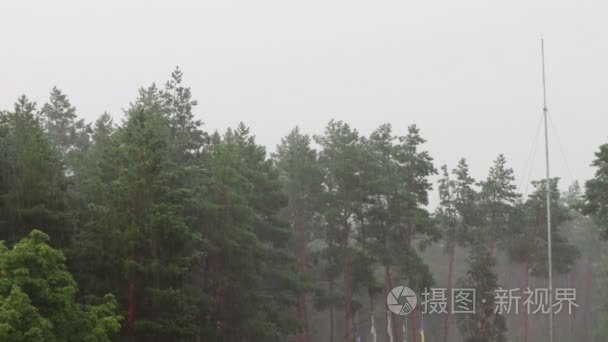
(467, 72)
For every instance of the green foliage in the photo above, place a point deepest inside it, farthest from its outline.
(301, 177)
(465, 199)
(65, 131)
(38, 297)
(94, 255)
(186, 136)
(33, 193)
(485, 220)
(496, 203)
(204, 237)
(395, 212)
(249, 272)
(20, 321)
(342, 160)
(484, 325)
(159, 247)
(529, 240)
(595, 190)
(458, 213)
(601, 298)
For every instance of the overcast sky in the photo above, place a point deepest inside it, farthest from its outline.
(468, 73)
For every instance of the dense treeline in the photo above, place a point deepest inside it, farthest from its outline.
(173, 233)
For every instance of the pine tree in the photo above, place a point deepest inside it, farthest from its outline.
(397, 193)
(597, 197)
(141, 185)
(528, 243)
(384, 213)
(4, 166)
(159, 248)
(34, 187)
(185, 131)
(496, 200)
(249, 273)
(457, 215)
(484, 325)
(494, 223)
(532, 243)
(95, 255)
(417, 222)
(447, 219)
(61, 123)
(342, 158)
(326, 259)
(465, 198)
(302, 179)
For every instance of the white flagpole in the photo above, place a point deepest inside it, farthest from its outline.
(548, 190)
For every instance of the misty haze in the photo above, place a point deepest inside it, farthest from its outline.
(314, 171)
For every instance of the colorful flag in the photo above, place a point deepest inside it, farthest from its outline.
(421, 328)
(389, 326)
(373, 330)
(357, 333)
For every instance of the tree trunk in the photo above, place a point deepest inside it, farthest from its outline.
(348, 321)
(302, 313)
(300, 336)
(571, 316)
(588, 287)
(413, 320)
(348, 331)
(306, 325)
(446, 320)
(331, 310)
(131, 310)
(414, 324)
(388, 281)
(524, 309)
